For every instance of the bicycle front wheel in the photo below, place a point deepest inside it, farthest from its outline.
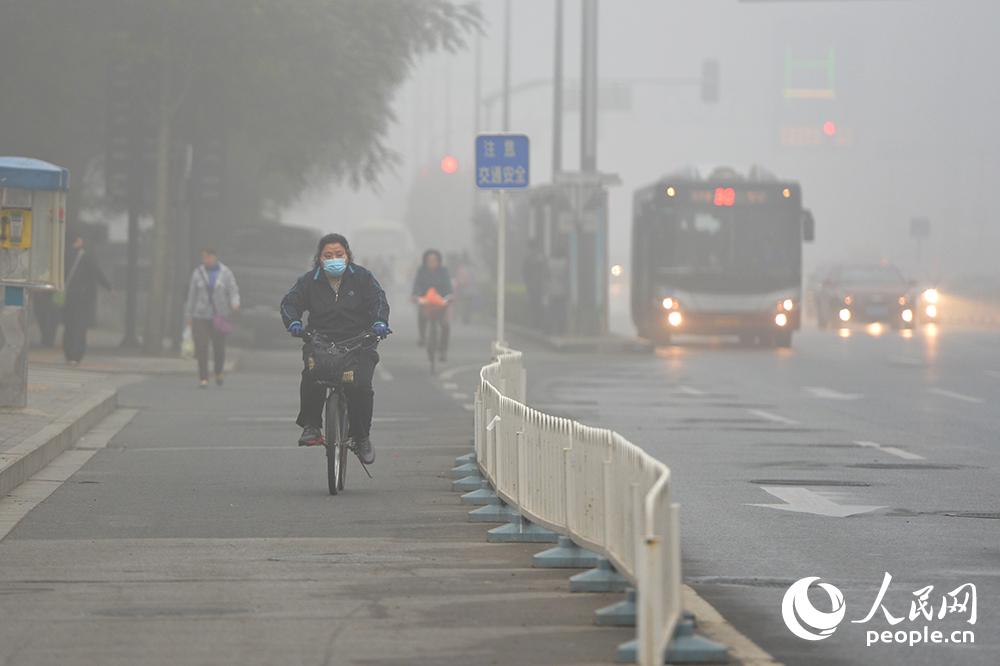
(345, 428)
(334, 444)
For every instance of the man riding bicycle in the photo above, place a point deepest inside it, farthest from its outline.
(343, 300)
(433, 275)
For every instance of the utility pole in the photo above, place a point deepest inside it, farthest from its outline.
(506, 66)
(557, 93)
(588, 89)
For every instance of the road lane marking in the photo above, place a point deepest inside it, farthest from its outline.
(450, 386)
(451, 372)
(803, 500)
(16, 505)
(712, 624)
(383, 373)
(289, 419)
(690, 390)
(892, 450)
(774, 418)
(830, 394)
(469, 407)
(954, 395)
(460, 396)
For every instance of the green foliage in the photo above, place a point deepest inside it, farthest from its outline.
(304, 86)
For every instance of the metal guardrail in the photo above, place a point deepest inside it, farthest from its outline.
(590, 484)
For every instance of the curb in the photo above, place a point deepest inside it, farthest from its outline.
(23, 461)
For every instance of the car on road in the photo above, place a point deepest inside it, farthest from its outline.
(866, 293)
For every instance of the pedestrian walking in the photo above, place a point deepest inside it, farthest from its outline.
(213, 297)
(83, 277)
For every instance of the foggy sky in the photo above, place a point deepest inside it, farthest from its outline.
(916, 95)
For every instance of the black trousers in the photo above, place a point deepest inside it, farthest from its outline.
(74, 336)
(202, 333)
(359, 393)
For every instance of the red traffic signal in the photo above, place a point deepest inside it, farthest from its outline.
(829, 128)
(449, 164)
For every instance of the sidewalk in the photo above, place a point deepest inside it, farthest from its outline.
(62, 405)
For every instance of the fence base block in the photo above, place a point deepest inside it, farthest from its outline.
(686, 647)
(621, 614)
(468, 483)
(566, 555)
(627, 652)
(483, 495)
(467, 458)
(521, 530)
(465, 470)
(491, 513)
(603, 578)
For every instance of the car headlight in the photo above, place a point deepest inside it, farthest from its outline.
(907, 315)
(787, 305)
(844, 314)
(931, 295)
(781, 319)
(931, 310)
(674, 318)
(668, 303)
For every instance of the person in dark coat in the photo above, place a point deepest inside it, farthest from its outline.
(83, 276)
(432, 274)
(343, 300)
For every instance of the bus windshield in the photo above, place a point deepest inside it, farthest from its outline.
(759, 243)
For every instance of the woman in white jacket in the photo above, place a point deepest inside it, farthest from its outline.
(213, 297)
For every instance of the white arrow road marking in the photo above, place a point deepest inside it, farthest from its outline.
(450, 386)
(774, 418)
(690, 390)
(954, 395)
(802, 500)
(830, 394)
(892, 450)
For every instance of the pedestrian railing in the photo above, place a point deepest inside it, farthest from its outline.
(590, 484)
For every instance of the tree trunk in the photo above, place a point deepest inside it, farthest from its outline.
(156, 304)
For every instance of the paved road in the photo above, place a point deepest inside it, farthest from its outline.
(200, 534)
(901, 432)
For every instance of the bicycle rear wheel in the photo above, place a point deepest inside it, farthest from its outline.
(344, 431)
(334, 443)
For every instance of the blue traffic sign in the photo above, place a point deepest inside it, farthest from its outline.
(502, 161)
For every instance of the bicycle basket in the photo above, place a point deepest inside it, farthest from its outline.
(330, 364)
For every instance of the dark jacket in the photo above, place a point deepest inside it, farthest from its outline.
(439, 279)
(81, 287)
(339, 315)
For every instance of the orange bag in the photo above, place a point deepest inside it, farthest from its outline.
(432, 298)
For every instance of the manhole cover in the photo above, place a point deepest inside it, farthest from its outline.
(808, 482)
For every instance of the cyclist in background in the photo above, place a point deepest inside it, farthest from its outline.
(343, 300)
(433, 275)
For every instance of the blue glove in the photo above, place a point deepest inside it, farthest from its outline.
(381, 330)
(295, 328)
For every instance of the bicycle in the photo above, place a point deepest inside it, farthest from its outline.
(336, 424)
(434, 311)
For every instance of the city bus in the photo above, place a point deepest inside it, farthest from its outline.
(719, 255)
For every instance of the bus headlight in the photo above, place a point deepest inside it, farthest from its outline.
(781, 319)
(674, 318)
(930, 295)
(907, 315)
(844, 314)
(931, 311)
(787, 305)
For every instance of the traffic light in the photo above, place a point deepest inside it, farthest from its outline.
(830, 128)
(449, 164)
(710, 81)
